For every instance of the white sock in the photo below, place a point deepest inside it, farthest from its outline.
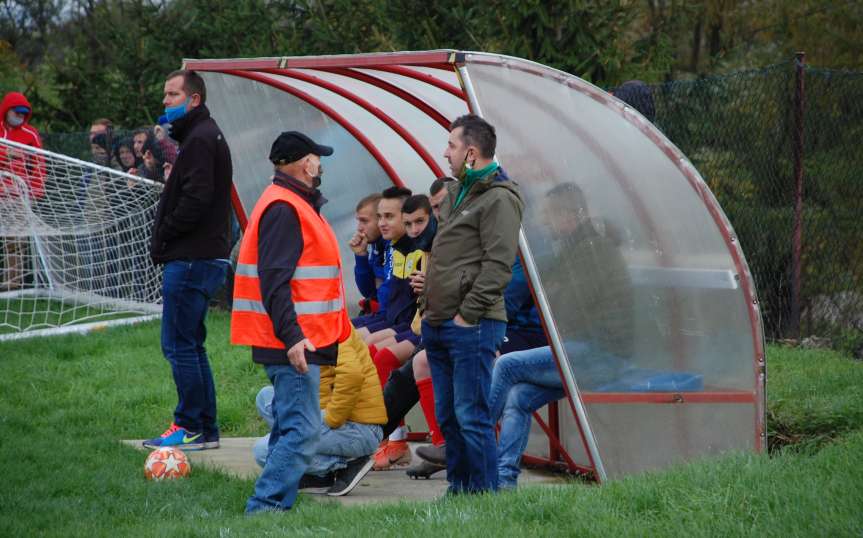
(399, 434)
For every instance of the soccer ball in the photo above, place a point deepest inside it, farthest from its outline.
(166, 463)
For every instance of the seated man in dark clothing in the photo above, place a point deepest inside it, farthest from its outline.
(589, 288)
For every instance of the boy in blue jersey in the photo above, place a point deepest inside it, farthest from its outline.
(369, 250)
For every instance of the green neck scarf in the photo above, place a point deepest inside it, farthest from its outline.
(471, 176)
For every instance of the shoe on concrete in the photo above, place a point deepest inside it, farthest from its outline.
(157, 442)
(424, 469)
(433, 454)
(310, 483)
(392, 455)
(348, 478)
(179, 437)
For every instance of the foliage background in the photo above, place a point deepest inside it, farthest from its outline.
(82, 59)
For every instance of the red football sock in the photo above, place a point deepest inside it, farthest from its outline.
(426, 390)
(373, 350)
(385, 361)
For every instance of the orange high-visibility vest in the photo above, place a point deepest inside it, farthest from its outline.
(316, 287)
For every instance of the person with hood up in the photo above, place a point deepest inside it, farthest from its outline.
(20, 173)
(15, 114)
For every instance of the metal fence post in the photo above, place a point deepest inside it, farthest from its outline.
(797, 236)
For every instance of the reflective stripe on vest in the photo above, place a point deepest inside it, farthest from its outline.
(300, 307)
(309, 272)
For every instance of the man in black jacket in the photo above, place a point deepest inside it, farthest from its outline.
(191, 236)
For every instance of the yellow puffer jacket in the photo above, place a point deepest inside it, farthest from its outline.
(351, 390)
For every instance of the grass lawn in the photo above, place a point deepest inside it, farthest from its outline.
(65, 401)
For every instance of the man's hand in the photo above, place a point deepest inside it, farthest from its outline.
(297, 355)
(418, 282)
(359, 243)
(458, 320)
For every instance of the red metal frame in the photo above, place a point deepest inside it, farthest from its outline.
(424, 77)
(329, 111)
(369, 107)
(239, 210)
(730, 397)
(436, 58)
(395, 90)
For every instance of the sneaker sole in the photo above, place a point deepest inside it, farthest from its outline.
(211, 444)
(359, 476)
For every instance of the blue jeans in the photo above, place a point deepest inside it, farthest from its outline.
(461, 360)
(336, 446)
(186, 290)
(521, 383)
(293, 439)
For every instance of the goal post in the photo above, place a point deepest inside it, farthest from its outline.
(74, 245)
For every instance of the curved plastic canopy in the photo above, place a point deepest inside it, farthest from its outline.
(682, 373)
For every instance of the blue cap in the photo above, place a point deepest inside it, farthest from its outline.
(21, 109)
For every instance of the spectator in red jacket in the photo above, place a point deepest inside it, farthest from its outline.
(22, 175)
(15, 113)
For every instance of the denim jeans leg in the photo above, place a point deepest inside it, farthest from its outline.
(338, 446)
(473, 351)
(293, 440)
(529, 366)
(441, 368)
(521, 402)
(187, 287)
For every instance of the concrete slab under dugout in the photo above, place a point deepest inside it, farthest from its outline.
(234, 457)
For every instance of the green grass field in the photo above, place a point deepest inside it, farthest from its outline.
(65, 401)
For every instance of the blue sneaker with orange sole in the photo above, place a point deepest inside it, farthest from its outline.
(179, 437)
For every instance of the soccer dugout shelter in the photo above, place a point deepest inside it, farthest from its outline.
(697, 376)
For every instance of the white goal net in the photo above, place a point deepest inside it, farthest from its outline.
(74, 244)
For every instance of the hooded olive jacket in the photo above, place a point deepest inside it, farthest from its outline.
(471, 256)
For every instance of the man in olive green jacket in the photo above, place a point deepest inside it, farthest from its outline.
(465, 316)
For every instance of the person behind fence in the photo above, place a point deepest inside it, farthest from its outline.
(124, 154)
(101, 138)
(289, 305)
(352, 413)
(369, 250)
(21, 176)
(191, 239)
(638, 95)
(597, 325)
(465, 316)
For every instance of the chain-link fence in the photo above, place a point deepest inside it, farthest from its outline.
(779, 147)
(772, 168)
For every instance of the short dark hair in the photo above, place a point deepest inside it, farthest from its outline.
(402, 193)
(568, 192)
(416, 202)
(477, 132)
(438, 184)
(372, 198)
(192, 83)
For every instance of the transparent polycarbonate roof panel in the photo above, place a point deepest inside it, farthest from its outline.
(429, 133)
(641, 284)
(406, 162)
(252, 114)
(444, 102)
